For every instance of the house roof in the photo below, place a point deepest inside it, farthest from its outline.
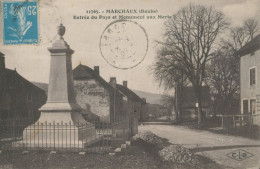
(82, 72)
(11, 80)
(129, 93)
(189, 97)
(251, 46)
(1, 54)
(43, 86)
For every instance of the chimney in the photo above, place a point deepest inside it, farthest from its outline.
(125, 84)
(2, 61)
(96, 69)
(113, 81)
(144, 100)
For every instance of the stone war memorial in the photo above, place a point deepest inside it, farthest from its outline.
(61, 124)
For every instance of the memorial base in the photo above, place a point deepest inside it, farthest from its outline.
(69, 131)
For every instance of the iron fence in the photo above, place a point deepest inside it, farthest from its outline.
(238, 120)
(94, 135)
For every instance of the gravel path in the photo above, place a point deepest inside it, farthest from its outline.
(214, 146)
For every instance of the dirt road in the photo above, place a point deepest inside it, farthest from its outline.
(214, 146)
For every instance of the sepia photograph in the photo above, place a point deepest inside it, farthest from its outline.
(119, 84)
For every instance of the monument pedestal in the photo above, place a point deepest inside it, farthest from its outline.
(64, 133)
(60, 125)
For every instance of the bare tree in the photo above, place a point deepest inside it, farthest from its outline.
(241, 35)
(251, 27)
(223, 79)
(223, 71)
(188, 42)
(166, 71)
(237, 38)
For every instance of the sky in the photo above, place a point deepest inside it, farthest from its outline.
(83, 36)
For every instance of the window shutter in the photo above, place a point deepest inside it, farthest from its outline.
(252, 76)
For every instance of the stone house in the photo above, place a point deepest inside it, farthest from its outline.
(99, 100)
(19, 98)
(249, 79)
(133, 105)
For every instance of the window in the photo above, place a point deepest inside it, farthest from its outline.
(245, 106)
(252, 106)
(252, 76)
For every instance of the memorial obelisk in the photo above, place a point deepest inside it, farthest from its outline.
(60, 121)
(61, 104)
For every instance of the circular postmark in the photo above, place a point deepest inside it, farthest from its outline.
(124, 44)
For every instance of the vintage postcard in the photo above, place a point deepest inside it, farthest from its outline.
(136, 84)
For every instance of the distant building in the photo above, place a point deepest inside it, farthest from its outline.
(154, 111)
(189, 101)
(19, 98)
(134, 106)
(250, 79)
(98, 99)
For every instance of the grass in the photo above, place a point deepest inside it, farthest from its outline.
(132, 157)
(140, 155)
